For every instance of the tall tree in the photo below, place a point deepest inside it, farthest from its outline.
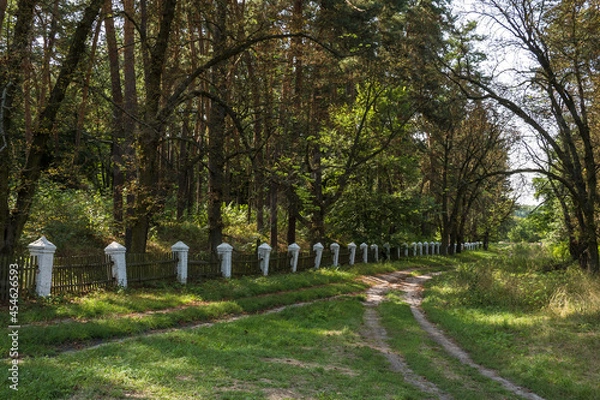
(216, 130)
(13, 221)
(464, 146)
(560, 79)
(151, 130)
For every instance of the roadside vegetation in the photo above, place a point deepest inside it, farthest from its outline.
(533, 319)
(514, 309)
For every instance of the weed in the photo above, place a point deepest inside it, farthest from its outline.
(518, 314)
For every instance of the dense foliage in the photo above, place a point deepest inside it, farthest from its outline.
(315, 120)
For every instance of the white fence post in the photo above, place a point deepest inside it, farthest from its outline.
(225, 252)
(375, 249)
(335, 249)
(414, 246)
(405, 249)
(294, 250)
(318, 249)
(420, 246)
(181, 250)
(426, 248)
(388, 251)
(44, 251)
(352, 249)
(264, 253)
(116, 252)
(365, 252)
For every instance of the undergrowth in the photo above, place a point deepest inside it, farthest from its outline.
(527, 279)
(530, 317)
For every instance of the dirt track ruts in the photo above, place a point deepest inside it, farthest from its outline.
(412, 286)
(374, 333)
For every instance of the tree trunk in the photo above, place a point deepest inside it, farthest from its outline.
(292, 215)
(486, 240)
(3, 4)
(13, 227)
(118, 131)
(216, 134)
(10, 85)
(273, 220)
(590, 259)
(130, 107)
(147, 202)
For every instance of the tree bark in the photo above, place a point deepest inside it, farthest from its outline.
(149, 179)
(11, 80)
(273, 218)
(32, 171)
(117, 115)
(216, 134)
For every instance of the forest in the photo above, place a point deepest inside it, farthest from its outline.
(389, 120)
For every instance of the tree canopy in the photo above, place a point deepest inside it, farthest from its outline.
(340, 120)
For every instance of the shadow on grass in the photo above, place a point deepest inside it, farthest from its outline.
(551, 355)
(307, 352)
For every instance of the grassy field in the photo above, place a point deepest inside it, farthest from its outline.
(533, 320)
(536, 325)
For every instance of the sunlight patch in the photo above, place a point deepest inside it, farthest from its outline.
(308, 365)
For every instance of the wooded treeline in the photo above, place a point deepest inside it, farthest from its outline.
(363, 119)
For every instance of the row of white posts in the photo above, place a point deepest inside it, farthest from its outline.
(44, 251)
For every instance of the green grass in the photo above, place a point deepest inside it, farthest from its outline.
(513, 311)
(534, 324)
(71, 321)
(307, 352)
(63, 322)
(428, 359)
(166, 296)
(46, 339)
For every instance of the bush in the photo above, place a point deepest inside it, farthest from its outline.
(168, 233)
(73, 219)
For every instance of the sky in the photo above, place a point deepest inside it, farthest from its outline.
(506, 60)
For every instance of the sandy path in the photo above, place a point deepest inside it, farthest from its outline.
(376, 335)
(412, 286)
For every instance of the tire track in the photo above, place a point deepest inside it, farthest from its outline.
(376, 336)
(412, 286)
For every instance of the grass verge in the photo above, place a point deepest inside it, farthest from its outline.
(307, 352)
(535, 324)
(46, 339)
(65, 322)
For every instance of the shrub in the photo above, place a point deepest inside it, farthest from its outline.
(73, 219)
